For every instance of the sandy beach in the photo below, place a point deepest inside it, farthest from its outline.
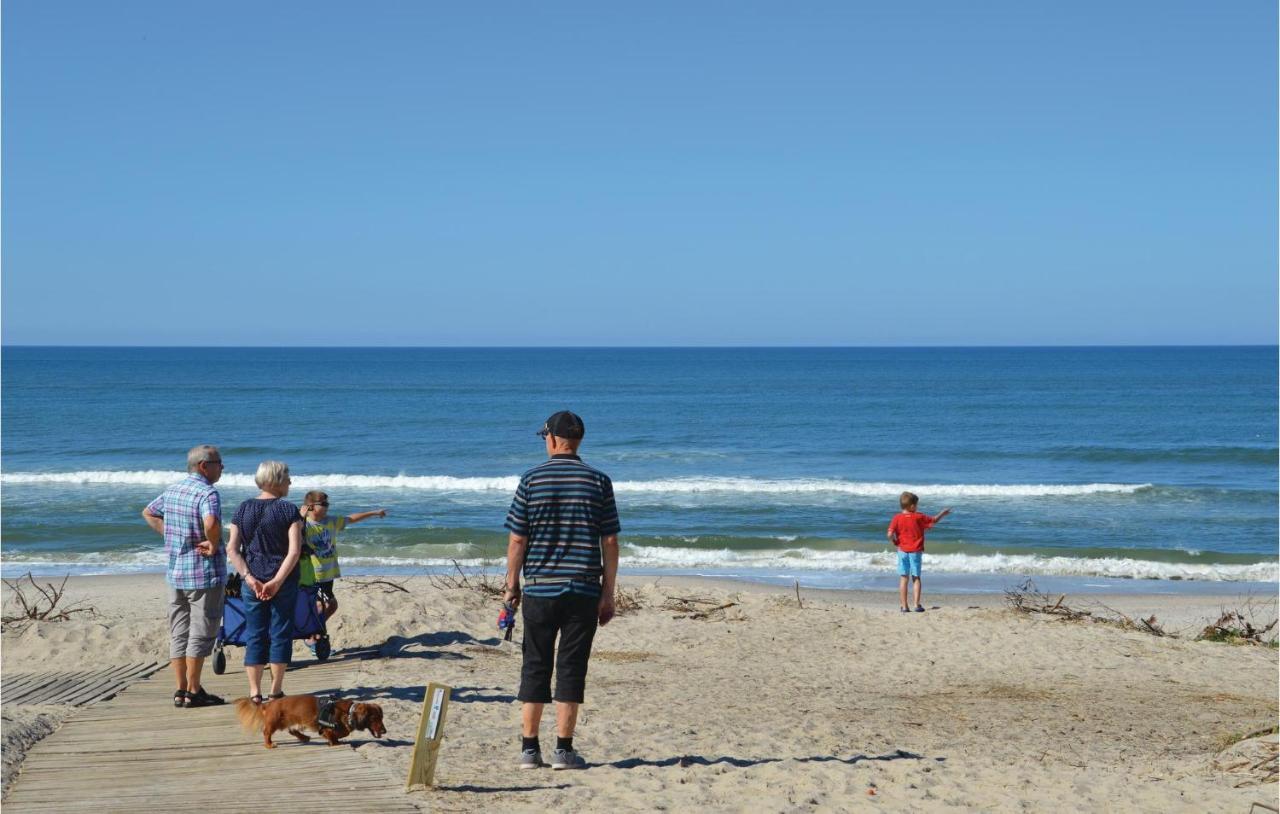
(768, 706)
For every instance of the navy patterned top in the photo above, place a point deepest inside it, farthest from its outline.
(264, 535)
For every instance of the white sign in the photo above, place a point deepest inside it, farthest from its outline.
(437, 700)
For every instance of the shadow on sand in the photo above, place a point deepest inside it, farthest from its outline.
(685, 761)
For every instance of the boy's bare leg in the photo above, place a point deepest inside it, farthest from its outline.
(902, 591)
(917, 582)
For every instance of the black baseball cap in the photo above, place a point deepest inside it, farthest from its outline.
(563, 424)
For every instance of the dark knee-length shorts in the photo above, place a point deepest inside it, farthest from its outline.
(571, 617)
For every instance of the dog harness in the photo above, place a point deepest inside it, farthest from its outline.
(328, 720)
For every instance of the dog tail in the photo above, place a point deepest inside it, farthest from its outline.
(250, 715)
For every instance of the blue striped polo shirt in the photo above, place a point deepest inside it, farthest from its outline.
(563, 507)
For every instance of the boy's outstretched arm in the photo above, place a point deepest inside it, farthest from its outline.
(941, 515)
(358, 516)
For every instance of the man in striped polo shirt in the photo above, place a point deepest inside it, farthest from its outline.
(564, 540)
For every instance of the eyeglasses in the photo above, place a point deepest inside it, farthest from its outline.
(544, 432)
(217, 462)
(325, 504)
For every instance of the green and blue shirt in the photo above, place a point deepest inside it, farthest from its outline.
(320, 549)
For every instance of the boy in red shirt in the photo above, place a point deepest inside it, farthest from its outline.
(906, 531)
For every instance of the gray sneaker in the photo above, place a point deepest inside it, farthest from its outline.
(567, 759)
(531, 759)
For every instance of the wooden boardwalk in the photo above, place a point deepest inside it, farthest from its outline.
(73, 689)
(136, 752)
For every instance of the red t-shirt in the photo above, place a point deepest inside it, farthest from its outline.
(910, 526)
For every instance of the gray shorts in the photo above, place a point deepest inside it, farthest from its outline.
(194, 619)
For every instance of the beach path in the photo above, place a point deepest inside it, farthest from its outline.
(136, 752)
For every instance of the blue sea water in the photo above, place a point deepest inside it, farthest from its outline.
(1088, 463)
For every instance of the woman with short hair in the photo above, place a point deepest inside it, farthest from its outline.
(266, 540)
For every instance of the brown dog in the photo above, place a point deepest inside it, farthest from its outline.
(298, 712)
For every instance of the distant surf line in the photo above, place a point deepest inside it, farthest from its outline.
(684, 485)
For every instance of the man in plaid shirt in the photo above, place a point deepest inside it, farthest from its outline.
(189, 515)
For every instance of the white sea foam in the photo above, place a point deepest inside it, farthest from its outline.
(112, 563)
(995, 563)
(157, 477)
(693, 485)
(770, 562)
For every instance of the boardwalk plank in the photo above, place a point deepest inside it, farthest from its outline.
(137, 752)
(36, 686)
(107, 682)
(119, 681)
(75, 688)
(21, 682)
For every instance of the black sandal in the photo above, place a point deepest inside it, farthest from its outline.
(203, 698)
(180, 698)
(256, 699)
(273, 696)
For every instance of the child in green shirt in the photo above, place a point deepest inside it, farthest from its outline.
(320, 549)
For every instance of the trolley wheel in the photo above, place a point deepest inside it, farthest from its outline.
(219, 660)
(322, 648)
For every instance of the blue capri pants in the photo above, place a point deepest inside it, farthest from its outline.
(268, 626)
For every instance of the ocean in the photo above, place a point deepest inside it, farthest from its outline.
(1096, 468)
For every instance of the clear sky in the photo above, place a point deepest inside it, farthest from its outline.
(723, 173)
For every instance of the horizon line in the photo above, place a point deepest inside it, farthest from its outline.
(1064, 346)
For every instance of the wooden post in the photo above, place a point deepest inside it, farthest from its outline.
(426, 748)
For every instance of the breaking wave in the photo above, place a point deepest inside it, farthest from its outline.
(691, 485)
(767, 562)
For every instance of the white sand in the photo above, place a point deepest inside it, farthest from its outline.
(777, 708)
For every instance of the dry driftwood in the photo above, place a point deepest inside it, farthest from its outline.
(626, 601)
(388, 586)
(1149, 625)
(1027, 598)
(45, 606)
(696, 607)
(478, 580)
(1234, 626)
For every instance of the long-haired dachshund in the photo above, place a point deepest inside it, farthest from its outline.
(298, 712)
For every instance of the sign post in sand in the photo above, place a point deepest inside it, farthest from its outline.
(426, 747)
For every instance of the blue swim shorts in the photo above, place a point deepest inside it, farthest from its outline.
(909, 563)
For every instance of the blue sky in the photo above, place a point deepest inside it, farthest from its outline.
(662, 174)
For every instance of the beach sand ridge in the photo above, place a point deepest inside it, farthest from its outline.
(766, 706)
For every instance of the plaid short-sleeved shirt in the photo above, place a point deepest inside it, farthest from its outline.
(184, 506)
